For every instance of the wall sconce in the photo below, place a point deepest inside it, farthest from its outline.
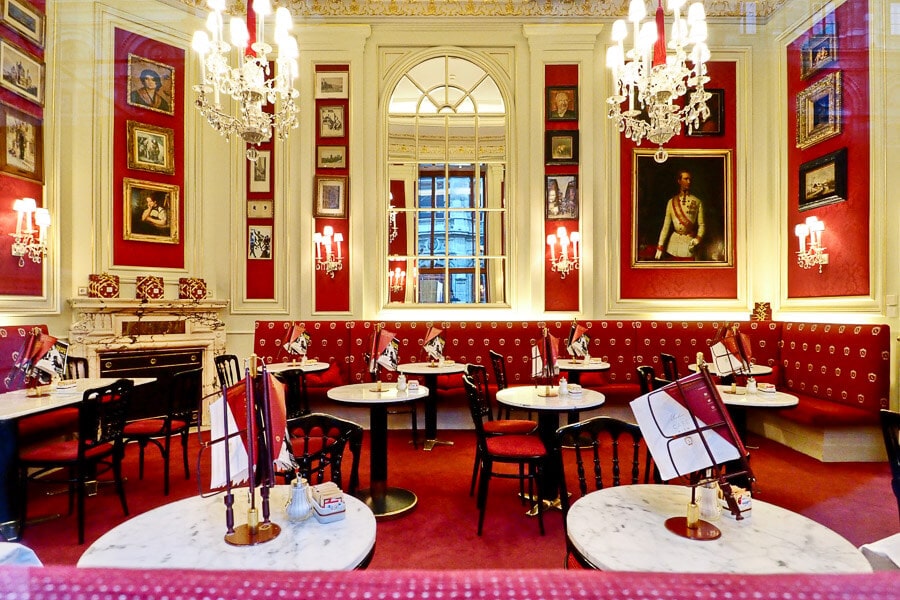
(328, 258)
(27, 241)
(392, 214)
(396, 280)
(563, 263)
(813, 253)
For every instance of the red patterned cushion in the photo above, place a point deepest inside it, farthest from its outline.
(103, 285)
(191, 288)
(145, 427)
(149, 287)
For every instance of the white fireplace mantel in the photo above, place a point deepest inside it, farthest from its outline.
(101, 325)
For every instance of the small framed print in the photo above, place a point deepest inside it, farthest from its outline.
(23, 138)
(714, 124)
(260, 172)
(151, 148)
(151, 211)
(24, 18)
(331, 157)
(561, 201)
(561, 147)
(260, 209)
(331, 121)
(817, 53)
(151, 84)
(823, 180)
(259, 242)
(332, 84)
(331, 197)
(819, 111)
(562, 103)
(21, 72)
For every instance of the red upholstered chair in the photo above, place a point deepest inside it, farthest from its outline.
(317, 443)
(525, 451)
(180, 395)
(890, 426)
(597, 453)
(99, 448)
(498, 364)
(478, 375)
(56, 423)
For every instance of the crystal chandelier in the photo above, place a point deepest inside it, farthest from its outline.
(650, 79)
(251, 84)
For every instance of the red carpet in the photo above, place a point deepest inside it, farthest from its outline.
(854, 499)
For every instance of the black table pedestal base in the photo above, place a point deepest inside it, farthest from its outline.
(390, 503)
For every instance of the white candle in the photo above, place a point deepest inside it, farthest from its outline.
(338, 238)
(17, 206)
(551, 241)
(801, 232)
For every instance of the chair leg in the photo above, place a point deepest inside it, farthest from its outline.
(81, 493)
(415, 427)
(142, 444)
(483, 492)
(184, 453)
(120, 482)
(165, 456)
(475, 471)
(538, 473)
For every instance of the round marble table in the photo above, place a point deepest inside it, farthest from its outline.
(311, 366)
(430, 372)
(386, 502)
(755, 370)
(189, 534)
(623, 529)
(575, 367)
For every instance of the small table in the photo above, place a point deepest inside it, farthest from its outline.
(548, 409)
(431, 371)
(189, 534)
(384, 501)
(755, 370)
(576, 366)
(623, 529)
(289, 373)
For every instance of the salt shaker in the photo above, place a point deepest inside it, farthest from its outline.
(298, 507)
(563, 386)
(751, 385)
(401, 382)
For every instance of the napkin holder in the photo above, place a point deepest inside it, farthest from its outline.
(328, 503)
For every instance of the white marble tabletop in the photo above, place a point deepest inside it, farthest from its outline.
(309, 366)
(19, 403)
(758, 400)
(591, 364)
(432, 368)
(754, 369)
(190, 534)
(531, 397)
(365, 393)
(623, 529)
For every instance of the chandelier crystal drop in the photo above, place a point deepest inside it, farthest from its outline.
(252, 84)
(648, 79)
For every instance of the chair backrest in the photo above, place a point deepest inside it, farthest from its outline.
(890, 427)
(186, 396)
(648, 380)
(296, 397)
(478, 375)
(670, 366)
(102, 415)
(318, 441)
(498, 362)
(228, 368)
(479, 407)
(76, 367)
(602, 452)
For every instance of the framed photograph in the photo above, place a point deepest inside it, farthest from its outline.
(332, 84)
(817, 53)
(259, 242)
(714, 124)
(150, 211)
(819, 111)
(331, 197)
(24, 18)
(823, 180)
(681, 209)
(562, 103)
(331, 157)
(23, 138)
(151, 84)
(151, 148)
(561, 200)
(331, 121)
(260, 172)
(21, 72)
(561, 147)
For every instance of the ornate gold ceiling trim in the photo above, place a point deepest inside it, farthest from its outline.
(607, 9)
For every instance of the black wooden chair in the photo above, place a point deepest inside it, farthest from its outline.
(596, 453)
(99, 448)
(228, 368)
(890, 427)
(317, 443)
(498, 365)
(180, 395)
(525, 451)
(670, 366)
(648, 380)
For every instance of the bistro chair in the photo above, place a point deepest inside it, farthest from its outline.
(401, 408)
(478, 375)
(596, 453)
(296, 395)
(525, 451)
(890, 427)
(670, 366)
(55, 423)
(181, 395)
(317, 443)
(228, 368)
(99, 448)
(648, 380)
(498, 364)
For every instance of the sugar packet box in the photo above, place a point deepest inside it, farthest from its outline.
(328, 503)
(744, 502)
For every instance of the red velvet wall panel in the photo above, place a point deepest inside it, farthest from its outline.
(658, 281)
(846, 236)
(561, 294)
(134, 252)
(260, 265)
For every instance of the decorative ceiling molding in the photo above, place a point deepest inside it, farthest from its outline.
(760, 9)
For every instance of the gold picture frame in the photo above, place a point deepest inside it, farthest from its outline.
(331, 197)
(25, 18)
(151, 84)
(817, 53)
(23, 144)
(150, 211)
(819, 111)
(151, 148)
